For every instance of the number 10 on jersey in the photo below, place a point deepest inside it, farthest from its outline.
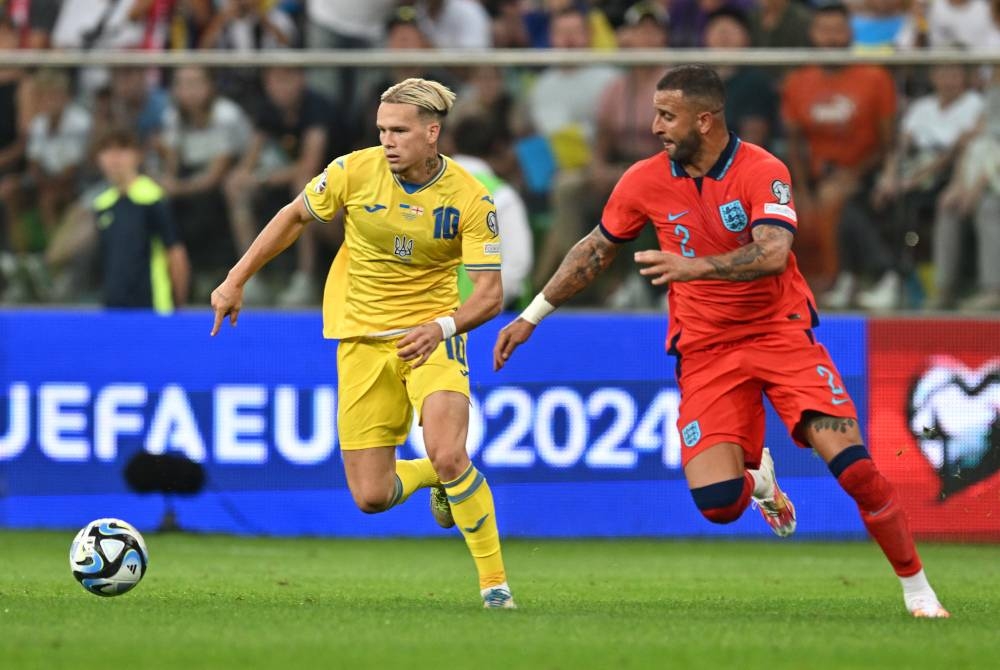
(445, 223)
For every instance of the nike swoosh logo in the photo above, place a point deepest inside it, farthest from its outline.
(673, 217)
(465, 373)
(371, 209)
(479, 524)
(839, 401)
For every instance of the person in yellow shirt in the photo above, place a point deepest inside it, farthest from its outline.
(412, 217)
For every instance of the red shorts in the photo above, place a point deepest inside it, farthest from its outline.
(723, 388)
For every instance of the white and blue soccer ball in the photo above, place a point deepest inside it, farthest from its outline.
(108, 557)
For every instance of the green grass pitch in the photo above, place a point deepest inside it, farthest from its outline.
(226, 602)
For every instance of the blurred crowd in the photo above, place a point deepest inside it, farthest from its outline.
(896, 173)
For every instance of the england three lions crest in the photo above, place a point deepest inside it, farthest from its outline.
(734, 217)
(954, 415)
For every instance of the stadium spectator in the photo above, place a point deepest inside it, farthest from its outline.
(751, 99)
(296, 128)
(343, 24)
(14, 112)
(622, 137)
(508, 25)
(247, 25)
(776, 24)
(943, 24)
(455, 24)
(111, 24)
(877, 24)
(475, 140)
(561, 107)
(741, 322)
(34, 21)
(137, 103)
(402, 31)
(188, 20)
(143, 263)
(14, 119)
(486, 95)
(688, 18)
(840, 123)
(972, 196)
(933, 132)
(58, 136)
(203, 137)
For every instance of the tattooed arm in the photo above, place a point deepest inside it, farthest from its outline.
(588, 258)
(766, 255)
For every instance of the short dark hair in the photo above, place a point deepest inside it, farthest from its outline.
(117, 137)
(832, 7)
(698, 82)
(734, 13)
(474, 135)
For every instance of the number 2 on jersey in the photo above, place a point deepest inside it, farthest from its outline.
(685, 235)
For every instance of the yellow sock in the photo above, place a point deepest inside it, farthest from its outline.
(472, 507)
(410, 476)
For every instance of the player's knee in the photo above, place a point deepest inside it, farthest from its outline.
(722, 502)
(449, 465)
(371, 500)
(860, 478)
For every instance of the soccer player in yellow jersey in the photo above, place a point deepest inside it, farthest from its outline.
(412, 216)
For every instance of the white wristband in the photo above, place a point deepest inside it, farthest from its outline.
(448, 328)
(537, 310)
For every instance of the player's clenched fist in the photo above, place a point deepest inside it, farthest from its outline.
(227, 300)
(510, 338)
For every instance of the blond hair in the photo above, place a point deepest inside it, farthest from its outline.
(430, 97)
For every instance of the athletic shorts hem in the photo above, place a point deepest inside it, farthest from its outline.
(371, 444)
(751, 458)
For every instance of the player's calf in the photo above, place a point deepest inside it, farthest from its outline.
(724, 502)
(886, 522)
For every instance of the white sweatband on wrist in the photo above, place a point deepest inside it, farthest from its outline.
(537, 310)
(448, 327)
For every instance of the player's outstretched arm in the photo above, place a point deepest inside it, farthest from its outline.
(483, 304)
(280, 232)
(588, 258)
(766, 255)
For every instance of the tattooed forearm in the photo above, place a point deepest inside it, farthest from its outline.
(836, 424)
(766, 255)
(587, 259)
(733, 266)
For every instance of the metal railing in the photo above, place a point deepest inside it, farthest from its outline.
(499, 57)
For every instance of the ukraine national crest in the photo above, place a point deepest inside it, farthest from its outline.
(403, 247)
(691, 434)
(734, 217)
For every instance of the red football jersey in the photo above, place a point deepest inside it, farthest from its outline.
(714, 215)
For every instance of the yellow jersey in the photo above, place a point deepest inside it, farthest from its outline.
(403, 243)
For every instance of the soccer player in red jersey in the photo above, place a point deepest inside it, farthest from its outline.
(741, 320)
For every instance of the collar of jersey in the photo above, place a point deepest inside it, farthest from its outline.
(420, 187)
(721, 166)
